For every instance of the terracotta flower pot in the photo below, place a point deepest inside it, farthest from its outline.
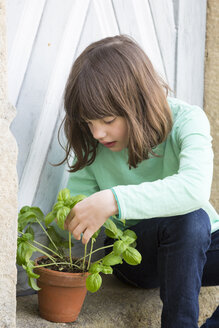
(62, 294)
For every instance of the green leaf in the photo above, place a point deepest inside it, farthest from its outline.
(26, 218)
(24, 251)
(32, 284)
(123, 221)
(112, 259)
(111, 229)
(49, 218)
(130, 233)
(26, 237)
(61, 216)
(64, 194)
(30, 273)
(107, 270)
(24, 209)
(72, 201)
(57, 206)
(96, 267)
(29, 215)
(132, 256)
(37, 211)
(119, 247)
(128, 240)
(110, 225)
(95, 235)
(30, 231)
(93, 282)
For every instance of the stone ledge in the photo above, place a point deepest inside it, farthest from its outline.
(114, 305)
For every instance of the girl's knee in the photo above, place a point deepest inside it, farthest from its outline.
(197, 225)
(192, 228)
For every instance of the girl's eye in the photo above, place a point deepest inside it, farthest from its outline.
(109, 121)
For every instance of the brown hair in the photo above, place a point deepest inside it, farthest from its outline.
(114, 77)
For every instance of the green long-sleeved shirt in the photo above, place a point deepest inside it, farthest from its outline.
(177, 182)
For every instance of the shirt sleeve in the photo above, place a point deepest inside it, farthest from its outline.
(188, 189)
(82, 182)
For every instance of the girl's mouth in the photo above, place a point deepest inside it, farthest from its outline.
(109, 144)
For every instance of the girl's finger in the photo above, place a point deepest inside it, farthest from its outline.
(86, 236)
(77, 231)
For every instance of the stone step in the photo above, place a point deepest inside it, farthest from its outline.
(114, 305)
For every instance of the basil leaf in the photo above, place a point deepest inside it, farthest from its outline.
(37, 211)
(123, 221)
(107, 270)
(93, 282)
(132, 256)
(128, 240)
(61, 216)
(32, 284)
(111, 229)
(111, 259)
(49, 218)
(96, 268)
(63, 195)
(29, 215)
(76, 199)
(30, 272)
(30, 231)
(57, 206)
(130, 233)
(24, 252)
(95, 235)
(24, 209)
(119, 247)
(25, 218)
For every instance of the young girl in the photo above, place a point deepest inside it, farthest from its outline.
(147, 158)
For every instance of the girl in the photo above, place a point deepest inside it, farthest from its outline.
(147, 158)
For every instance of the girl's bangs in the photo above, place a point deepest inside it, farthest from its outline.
(96, 105)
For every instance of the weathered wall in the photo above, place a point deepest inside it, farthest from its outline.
(8, 193)
(211, 93)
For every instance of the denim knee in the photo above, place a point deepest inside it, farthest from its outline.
(193, 228)
(197, 227)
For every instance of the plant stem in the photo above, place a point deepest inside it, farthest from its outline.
(69, 243)
(85, 252)
(91, 249)
(47, 234)
(48, 264)
(41, 251)
(96, 250)
(34, 241)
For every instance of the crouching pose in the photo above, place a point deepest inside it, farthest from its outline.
(145, 157)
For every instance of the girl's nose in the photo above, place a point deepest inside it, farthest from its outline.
(98, 132)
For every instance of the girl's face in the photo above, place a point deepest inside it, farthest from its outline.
(111, 131)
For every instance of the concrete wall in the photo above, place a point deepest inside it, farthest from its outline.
(211, 93)
(8, 193)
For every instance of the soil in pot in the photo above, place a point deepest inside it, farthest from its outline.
(62, 267)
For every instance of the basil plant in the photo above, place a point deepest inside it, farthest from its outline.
(123, 248)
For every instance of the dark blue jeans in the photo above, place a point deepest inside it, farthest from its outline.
(174, 253)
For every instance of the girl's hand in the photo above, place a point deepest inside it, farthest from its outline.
(90, 214)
